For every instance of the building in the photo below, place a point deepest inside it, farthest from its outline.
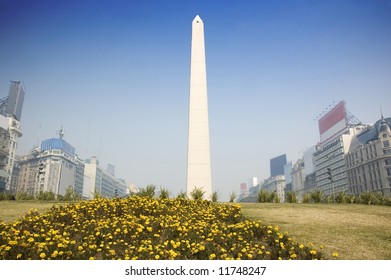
(28, 172)
(198, 160)
(52, 168)
(15, 100)
(275, 184)
(330, 168)
(301, 173)
(368, 162)
(288, 176)
(10, 115)
(9, 135)
(298, 177)
(100, 182)
(277, 165)
(337, 129)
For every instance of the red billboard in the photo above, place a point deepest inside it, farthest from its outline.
(333, 122)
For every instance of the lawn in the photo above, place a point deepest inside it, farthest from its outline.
(11, 210)
(356, 232)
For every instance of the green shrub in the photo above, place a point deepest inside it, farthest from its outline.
(232, 197)
(148, 191)
(22, 195)
(316, 196)
(71, 194)
(215, 196)
(197, 193)
(182, 195)
(367, 198)
(262, 196)
(291, 197)
(340, 197)
(164, 193)
(306, 198)
(47, 195)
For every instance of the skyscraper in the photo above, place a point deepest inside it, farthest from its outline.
(277, 165)
(15, 100)
(198, 161)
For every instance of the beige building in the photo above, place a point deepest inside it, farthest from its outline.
(275, 184)
(368, 162)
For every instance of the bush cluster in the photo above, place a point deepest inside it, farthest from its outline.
(144, 228)
(70, 195)
(317, 196)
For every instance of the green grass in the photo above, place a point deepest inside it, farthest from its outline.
(356, 232)
(11, 210)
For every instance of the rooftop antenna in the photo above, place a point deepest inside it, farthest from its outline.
(60, 132)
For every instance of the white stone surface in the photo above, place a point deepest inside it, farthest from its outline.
(198, 166)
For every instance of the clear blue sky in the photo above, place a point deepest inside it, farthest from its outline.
(115, 74)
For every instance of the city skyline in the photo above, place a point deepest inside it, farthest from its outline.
(116, 77)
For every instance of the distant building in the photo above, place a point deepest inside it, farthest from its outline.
(288, 176)
(277, 165)
(243, 191)
(15, 100)
(298, 177)
(99, 181)
(275, 184)
(110, 169)
(368, 161)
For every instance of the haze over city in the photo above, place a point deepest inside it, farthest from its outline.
(115, 75)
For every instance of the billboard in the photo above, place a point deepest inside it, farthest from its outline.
(333, 123)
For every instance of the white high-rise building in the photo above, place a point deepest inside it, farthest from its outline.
(97, 181)
(198, 165)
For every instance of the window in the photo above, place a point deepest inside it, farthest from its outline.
(387, 151)
(388, 161)
(386, 143)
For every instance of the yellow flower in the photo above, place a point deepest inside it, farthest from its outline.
(212, 256)
(42, 255)
(80, 248)
(157, 257)
(335, 255)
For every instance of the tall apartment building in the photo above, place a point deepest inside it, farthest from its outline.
(368, 161)
(329, 159)
(337, 128)
(10, 115)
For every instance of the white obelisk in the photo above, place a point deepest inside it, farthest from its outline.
(198, 161)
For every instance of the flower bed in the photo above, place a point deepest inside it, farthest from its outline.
(146, 229)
